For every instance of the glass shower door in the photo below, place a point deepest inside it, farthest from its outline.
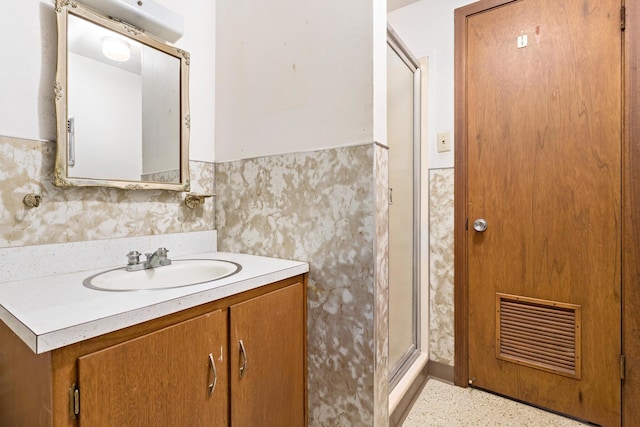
(403, 88)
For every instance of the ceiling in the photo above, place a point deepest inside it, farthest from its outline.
(397, 4)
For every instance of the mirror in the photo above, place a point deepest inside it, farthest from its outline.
(121, 105)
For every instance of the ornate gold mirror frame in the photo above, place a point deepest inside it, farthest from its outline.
(62, 178)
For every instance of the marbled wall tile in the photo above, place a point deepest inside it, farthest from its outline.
(317, 207)
(172, 175)
(88, 213)
(441, 327)
(381, 314)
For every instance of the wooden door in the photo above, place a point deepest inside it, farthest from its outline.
(267, 369)
(541, 148)
(160, 379)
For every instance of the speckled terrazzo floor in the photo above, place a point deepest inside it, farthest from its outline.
(443, 405)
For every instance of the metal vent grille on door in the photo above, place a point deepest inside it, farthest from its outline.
(538, 333)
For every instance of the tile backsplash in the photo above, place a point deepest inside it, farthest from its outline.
(88, 213)
(28, 262)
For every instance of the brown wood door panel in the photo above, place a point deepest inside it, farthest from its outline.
(543, 159)
(631, 209)
(159, 379)
(271, 393)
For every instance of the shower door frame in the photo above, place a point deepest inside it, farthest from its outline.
(411, 355)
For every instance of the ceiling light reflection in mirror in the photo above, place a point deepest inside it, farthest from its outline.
(116, 49)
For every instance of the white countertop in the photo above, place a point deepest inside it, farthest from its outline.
(55, 311)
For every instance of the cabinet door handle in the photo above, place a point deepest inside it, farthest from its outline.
(243, 352)
(212, 368)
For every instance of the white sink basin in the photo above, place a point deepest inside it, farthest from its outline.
(180, 273)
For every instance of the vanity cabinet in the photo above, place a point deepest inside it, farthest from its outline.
(239, 361)
(267, 362)
(175, 376)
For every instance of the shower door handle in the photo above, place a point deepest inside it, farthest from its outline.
(480, 225)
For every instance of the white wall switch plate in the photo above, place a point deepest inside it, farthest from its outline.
(444, 142)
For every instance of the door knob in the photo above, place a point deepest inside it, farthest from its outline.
(480, 225)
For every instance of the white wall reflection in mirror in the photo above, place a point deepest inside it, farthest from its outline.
(125, 111)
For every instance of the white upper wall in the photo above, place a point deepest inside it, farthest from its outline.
(380, 71)
(297, 75)
(200, 41)
(27, 74)
(28, 31)
(426, 27)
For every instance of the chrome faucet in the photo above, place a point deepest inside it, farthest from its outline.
(156, 259)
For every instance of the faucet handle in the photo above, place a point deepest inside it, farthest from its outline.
(162, 256)
(133, 257)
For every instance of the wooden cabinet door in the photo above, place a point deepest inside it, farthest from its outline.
(270, 391)
(159, 379)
